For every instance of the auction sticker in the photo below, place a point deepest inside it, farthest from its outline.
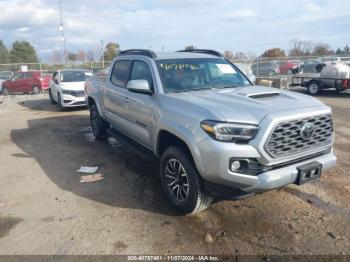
(226, 69)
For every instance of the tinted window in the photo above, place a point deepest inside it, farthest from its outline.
(73, 76)
(120, 73)
(140, 70)
(17, 76)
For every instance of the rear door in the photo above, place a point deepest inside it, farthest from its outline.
(140, 107)
(116, 95)
(17, 82)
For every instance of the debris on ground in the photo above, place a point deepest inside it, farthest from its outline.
(332, 235)
(91, 178)
(88, 169)
(1, 99)
(208, 238)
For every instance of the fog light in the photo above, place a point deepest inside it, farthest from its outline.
(235, 166)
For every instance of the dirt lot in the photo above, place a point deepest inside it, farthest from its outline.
(45, 210)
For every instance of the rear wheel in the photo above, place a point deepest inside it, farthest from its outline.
(36, 90)
(181, 182)
(5, 91)
(98, 124)
(314, 88)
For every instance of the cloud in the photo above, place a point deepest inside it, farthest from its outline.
(236, 25)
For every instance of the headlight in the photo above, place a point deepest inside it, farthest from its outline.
(229, 132)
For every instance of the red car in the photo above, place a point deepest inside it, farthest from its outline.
(288, 67)
(23, 82)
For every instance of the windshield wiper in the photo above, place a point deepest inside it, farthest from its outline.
(224, 87)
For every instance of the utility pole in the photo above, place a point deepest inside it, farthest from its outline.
(102, 54)
(63, 39)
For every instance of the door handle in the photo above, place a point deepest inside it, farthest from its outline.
(126, 99)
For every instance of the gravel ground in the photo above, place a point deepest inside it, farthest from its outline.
(44, 209)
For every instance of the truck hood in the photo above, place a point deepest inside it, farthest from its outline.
(245, 104)
(75, 86)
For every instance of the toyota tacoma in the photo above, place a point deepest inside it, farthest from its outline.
(214, 132)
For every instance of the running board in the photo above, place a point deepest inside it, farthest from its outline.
(137, 148)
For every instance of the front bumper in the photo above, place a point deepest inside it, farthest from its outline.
(215, 157)
(286, 175)
(73, 101)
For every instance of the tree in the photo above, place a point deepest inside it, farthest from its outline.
(111, 51)
(23, 52)
(90, 54)
(344, 51)
(72, 57)
(81, 55)
(229, 55)
(300, 48)
(189, 47)
(322, 49)
(274, 52)
(4, 54)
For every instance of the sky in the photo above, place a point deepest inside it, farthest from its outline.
(236, 25)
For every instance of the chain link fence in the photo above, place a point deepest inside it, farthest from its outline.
(256, 66)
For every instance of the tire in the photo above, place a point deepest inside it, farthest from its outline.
(59, 102)
(51, 98)
(314, 88)
(5, 91)
(271, 73)
(36, 90)
(188, 199)
(98, 124)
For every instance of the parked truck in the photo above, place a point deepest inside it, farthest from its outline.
(215, 133)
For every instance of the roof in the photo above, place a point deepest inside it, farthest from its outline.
(172, 55)
(195, 53)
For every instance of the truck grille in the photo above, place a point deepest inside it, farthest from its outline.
(286, 137)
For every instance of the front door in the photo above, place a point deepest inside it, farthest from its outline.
(140, 107)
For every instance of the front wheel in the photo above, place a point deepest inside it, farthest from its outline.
(98, 124)
(181, 182)
(51, 98)
(5, 92)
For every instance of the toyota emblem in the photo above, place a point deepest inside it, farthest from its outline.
(307, 131)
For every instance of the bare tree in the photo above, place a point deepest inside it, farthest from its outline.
(300, 48)
(229, 55)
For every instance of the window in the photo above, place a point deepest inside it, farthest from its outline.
(17, 76)
(192, 74)
(73, 76)
(120, 73)
(140, 70)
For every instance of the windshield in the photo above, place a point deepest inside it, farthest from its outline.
(192, 74)
(74, 76)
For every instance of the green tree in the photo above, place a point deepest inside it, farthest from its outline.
(72, 57)
(23, 52)
(111, 51)
(274, 52)
(344, 51)
(4, 54)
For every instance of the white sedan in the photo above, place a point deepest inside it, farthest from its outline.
(67, 87)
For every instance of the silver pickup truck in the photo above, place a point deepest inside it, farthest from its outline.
(214, 132)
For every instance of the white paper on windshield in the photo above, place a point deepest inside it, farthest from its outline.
(226, 69)
(88, 169)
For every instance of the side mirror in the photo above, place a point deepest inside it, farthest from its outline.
(139, 86)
